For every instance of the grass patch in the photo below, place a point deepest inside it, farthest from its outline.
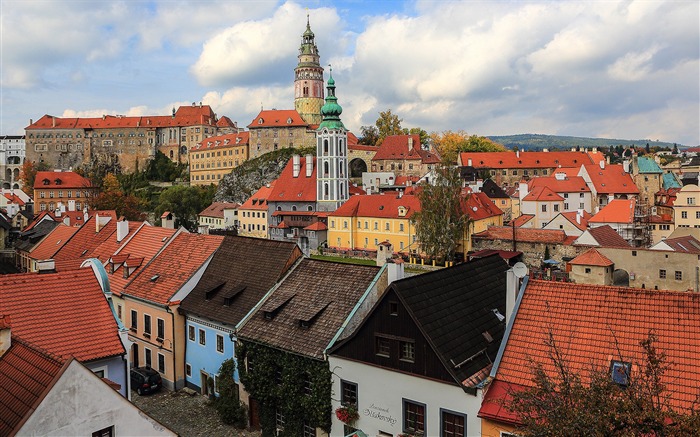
(340, 259)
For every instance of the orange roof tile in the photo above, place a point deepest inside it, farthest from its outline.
(397, 147)
(479, 206)
(595, 324)
(686, 243)
(570, 184)
(378, 205)
(13, 198)
(64, 313)
(607, 237)
(216, 209)
(222, 141)
(617, 211)
(258, 201)
(611, 180)
(60, 179)
(591, 257)
(53, 242)
(543, 194)
(84, 242)
(277, 118)
(318, 226)
(225, 122)
(525, 235)
(165, 274)
(506, 160)
(288, 188)
(522, 219)
(582, 223)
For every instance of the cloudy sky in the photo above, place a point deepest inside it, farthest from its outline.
(627, 69)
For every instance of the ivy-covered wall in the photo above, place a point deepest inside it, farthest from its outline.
(297, 387)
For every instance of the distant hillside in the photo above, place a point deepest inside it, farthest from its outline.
(539, 142)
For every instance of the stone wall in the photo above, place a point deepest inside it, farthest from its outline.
(533, 253)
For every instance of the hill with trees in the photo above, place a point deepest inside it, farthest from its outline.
(539, 142)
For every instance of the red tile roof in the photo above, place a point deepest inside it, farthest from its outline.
(84, 242)
(525, 235)
(582, 224)
(687, 243)
(570, 184)
(13, 198)
(53, 242)
(221, 141)
(165, 274)
(543, 194)
(522, 219)
(26, 373)
(617, 211)
(507, 160)
(378, 205)
(64, 313)
(362, 147)
(277, 118)
(216, 209)
(354, 190)
(607, 237)
(595, 324)
(479, 206)
(288, 188)
(395, 147)
(611, 180)
(258, 201)
(318, 226)
(225, 122)
(60, 179)
(591, 257)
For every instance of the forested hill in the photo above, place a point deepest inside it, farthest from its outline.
(539, 142)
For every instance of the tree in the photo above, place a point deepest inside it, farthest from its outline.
(675, 149)
(27, 175)
(111, 197)
(369, 135)
(424, 137)
(388, 124)
(441, 222)
(161, 168)
(231, 409)
(564, 404)
(185, 203)
(449, 144)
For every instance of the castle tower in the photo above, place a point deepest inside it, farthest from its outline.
(308, 79)
(331, 155)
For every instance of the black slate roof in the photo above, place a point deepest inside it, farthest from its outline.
(27, 240)
(238, 276)
(491, 189)
(454, 306)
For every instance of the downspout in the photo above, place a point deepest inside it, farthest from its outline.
(172, 342)
(354, 310)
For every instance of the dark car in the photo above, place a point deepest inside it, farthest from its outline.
(145, 380)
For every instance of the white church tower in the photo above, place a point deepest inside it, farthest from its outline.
(332, 154)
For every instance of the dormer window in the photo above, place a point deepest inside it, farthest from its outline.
(46, 181)
(402, 211)
(58, 181)
(260, 120)
(289, 120)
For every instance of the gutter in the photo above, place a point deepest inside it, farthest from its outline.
(509, 328)
(354, 310)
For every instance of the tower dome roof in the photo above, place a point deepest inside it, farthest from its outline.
(331, 110)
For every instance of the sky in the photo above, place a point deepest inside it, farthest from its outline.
(604, 69)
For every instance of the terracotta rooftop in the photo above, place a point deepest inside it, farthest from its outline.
(611, 180)
(525, 160)
(288, 188)
(567, 184)
(478, 206)
(277, 118)
(25, 375)
(591, 257)
(396, 147)
(222, 141)
(13, 198)
(258, 201)
(688, 244)
(543, 194)
(521, 220)
(84, 242)
(581, 223)
(525, 235)
(216, 209)
(53, 242)
(64, 313)
(606, 236)
(617, 211)
(60, 180)
(224, 121)
(378, 205)
(165, 274)
(596, 324)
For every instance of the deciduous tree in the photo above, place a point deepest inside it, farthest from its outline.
(185, 203)
(388, 124)
(111, 197)
(450, 143)
(369, 135)
(27, 175)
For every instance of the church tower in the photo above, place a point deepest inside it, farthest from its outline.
(331, 154)
(308, 79)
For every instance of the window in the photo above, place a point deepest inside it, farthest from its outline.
(684, 214)
(588, 270)
(134, 320)
(400, 227)
(452, 424)
(348, 393)
(382, 347)
(279, 419)
(620, 372)
(146, 325)
(408, 351)
(394, 308)
(679, 275)
(386, 226)
(119, 312)
(662, 274)
(147, 351)
(376, 226)
(161, 363)
(191, 334)
(188, 369)
(161, 328)
(544, 208)
(413, 417)
(220, 343)
(697, 214)
(556, 208)
(106, 432)
(202, 337)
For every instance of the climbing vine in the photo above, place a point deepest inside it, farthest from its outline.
(297, 387)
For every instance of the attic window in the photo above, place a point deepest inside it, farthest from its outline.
(83, 252)
(213, 290)
(487, 336)
(260, 121)
(394, 308)
(620, 372)
(228, 300)
(58, 181)
(500, 162)
(289, 120)
(154, 278)
(45, 181)
(538, 161)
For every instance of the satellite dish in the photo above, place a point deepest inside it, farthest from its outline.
(520, 270)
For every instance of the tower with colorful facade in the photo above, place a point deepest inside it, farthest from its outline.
(308, 79)
(331, 155)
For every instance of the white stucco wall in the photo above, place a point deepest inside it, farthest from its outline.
(80, 404)
(380, 396)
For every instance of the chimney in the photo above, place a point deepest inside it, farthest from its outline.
(410, 143)
(545, 150)
(309, 165)
(579, 213)
(296, 166)
(385, 251)
(122, 230)
(594, 150)
(522, 190)
(469, 162)
(517, 153)
(5, 334)
(560, 176)
(511, 293)
(31, 121)
(607, 159)
(626, 165)
(395, 269)
(53, 121)
(602, 164)
(46, 266)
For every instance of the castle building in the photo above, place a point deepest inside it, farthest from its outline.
(215, 157)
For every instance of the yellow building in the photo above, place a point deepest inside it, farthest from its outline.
(252, 215)
(686, 208)
(482, 214)
(215, 157)
(363, 222)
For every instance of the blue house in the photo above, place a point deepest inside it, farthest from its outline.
(240, 274)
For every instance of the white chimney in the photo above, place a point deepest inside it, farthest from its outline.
(511, 293)
(626, 165)
(122, 230)
(296, 166)
(594, 150)
(309, 165)
(602, 164)
(394, 270)
(579, 213)
(522, 190)
(545, 150)
(410, 143)
(560, 176)
(469, 162)
(5, 334)
(517, 153)
(46, 266)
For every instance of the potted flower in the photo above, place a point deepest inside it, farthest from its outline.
(347, 414)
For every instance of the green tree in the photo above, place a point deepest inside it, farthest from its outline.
(231, 409)
(441, 222)
(161, 168)
(27, 175)
(563, 403)
(388, 124)
(111, 197)
(185, 203)
(369, 135)
(424, 137)
(450, 143)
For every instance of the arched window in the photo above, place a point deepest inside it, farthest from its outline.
(325, 147)
(171, 154)
(325, 190)
(309, 208)
(325, 169)
(294, 208)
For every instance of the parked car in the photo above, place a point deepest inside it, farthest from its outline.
(145, 380)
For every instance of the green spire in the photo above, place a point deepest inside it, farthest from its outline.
(331, 110)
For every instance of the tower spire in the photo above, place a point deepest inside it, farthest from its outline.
(308, 78)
